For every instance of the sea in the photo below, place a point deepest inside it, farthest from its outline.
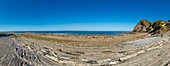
(109, 33)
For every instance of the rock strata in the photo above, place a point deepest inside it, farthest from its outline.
(157, 27)
(142, 26)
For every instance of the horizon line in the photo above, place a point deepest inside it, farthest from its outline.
(62, 30)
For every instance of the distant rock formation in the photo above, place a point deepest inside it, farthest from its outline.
(157, 27)
(168, 20)
(6, 34)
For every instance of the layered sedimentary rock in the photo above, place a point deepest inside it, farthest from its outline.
(156, 27)
(142, 26)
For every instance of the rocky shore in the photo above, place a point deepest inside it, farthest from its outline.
(144, 46)
(25, 51)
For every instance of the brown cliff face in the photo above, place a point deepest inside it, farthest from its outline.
(156, 27)
(142, 26)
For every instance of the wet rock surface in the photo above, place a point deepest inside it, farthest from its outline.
(144, 42)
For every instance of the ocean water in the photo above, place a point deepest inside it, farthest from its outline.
(110, 33)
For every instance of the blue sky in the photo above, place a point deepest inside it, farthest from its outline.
(99, 15)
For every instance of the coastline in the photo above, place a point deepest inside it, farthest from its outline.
(88, 40)
(110, 33)
(83, 50)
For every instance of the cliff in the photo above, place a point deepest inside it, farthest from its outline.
(157, 27)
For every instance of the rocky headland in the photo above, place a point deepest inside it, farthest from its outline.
(157, 27)
(147, 45)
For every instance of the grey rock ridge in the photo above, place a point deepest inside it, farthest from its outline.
(15, 52)
(19, 51)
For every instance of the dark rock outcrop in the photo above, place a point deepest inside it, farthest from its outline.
(168, 20)
(6, 34)
(157, 27)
